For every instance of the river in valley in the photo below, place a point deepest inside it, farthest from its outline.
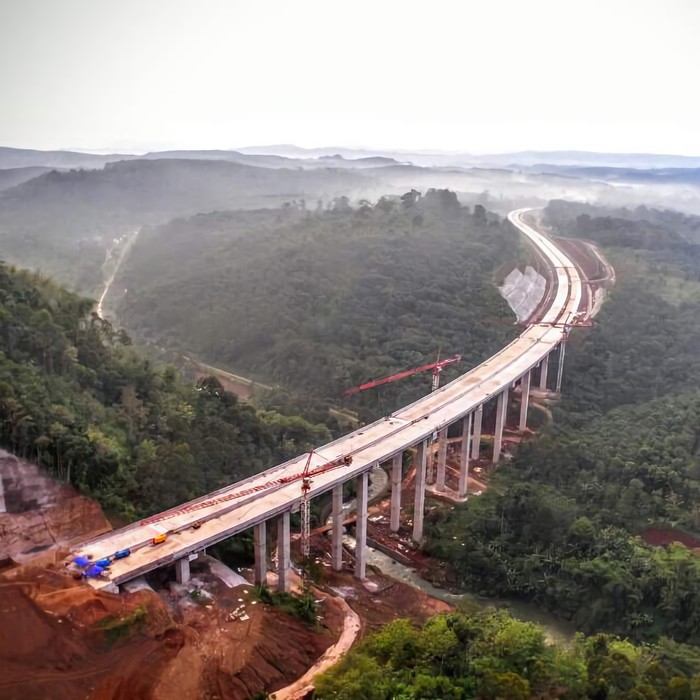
(556, 630)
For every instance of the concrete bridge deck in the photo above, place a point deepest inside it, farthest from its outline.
(238, 507)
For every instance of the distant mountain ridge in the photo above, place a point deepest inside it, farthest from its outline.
(291, 156)
(10, 177)
(15, 158)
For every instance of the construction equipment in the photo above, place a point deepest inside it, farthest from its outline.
(436, 368)
(305, 503)
(305, 477)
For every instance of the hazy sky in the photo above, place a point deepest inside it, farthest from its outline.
(474, 75)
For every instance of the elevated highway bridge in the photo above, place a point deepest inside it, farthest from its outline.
(251, 503)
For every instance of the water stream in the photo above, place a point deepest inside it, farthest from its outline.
(556, 630)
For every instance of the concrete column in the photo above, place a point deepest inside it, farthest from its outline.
(260, 545)
(524, 399)
(441, 459)
(361, 526)
(476, 436)
(560, 369)
(182, 570)
(464, 457)
(544, 366)
(396, 469)
(501, 411)
(337, 531)
(431, 463)
(283, 546)
(419, 499)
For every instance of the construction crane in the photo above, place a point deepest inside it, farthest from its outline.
(305, 504)
(436, 368)
(303, 476)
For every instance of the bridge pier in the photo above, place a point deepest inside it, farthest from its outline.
(560, 369)
(283, 556)
(361, 526)
(260, 546)
(441, 460)
(524, 399)
(501, 412)
(464, 458)
(396, 469)
(419, 498)
(337, 528)
(182, 570)
(544, 366)
(476, 437)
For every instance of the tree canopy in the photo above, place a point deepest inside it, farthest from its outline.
(560, 524)
(76, 398)
(322, 301)
(492, 656)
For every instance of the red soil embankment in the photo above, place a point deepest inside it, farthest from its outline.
(658, 537)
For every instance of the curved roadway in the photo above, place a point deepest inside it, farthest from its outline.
(238, 507)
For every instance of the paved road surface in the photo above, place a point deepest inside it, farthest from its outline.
(373, 443)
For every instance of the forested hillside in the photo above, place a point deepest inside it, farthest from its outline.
(490, 655)
(558, 525)
(78, 400)
(322, 301)
(63, 222)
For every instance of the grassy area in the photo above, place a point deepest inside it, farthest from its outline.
(302, 606)
(118, 626)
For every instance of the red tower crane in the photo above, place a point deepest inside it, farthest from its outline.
(436, 367)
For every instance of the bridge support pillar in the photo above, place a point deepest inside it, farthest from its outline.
(441, 460)
(283, 547)
(337, 528)
(260, 546)
(560, 369)
(464, 457)
(476, 437)
(182, 570)
(396, 469)
(524, 399)
(544, 366)
(419, 499)
(361, 527)
(501, 412)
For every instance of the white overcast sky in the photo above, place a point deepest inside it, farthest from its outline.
(479, 76)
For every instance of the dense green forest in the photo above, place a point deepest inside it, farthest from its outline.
(321, 301)
(559, 525)
(63, 222)
(491, 656)
(77, 399)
